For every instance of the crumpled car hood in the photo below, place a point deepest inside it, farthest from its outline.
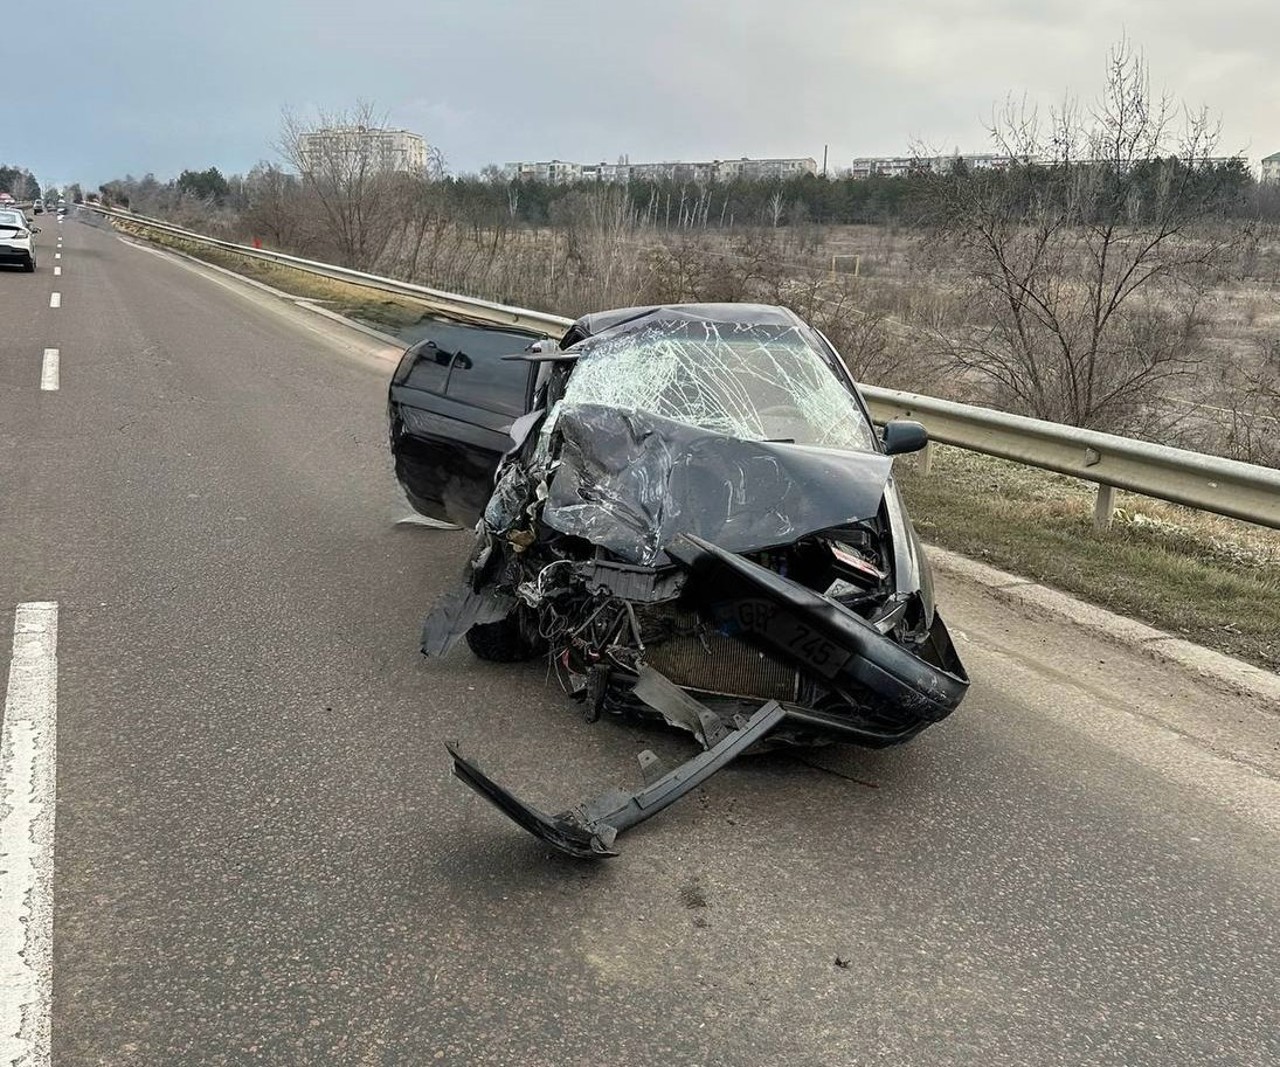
(631, 482)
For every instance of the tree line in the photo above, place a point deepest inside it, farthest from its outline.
(19, 182)
(674, 205)
(1075, 285)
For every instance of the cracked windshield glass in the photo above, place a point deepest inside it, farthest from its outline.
(756, 382)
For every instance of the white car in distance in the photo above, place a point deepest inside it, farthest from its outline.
(16, 239)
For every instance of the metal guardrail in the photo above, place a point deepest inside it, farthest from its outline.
(1209, 483)
(452, 305)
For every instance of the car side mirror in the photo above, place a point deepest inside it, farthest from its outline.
(904, 435)
(35, 229)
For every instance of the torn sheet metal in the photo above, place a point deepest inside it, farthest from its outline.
(427, 523)
(631, 481)
(457, 611)
(678, 707)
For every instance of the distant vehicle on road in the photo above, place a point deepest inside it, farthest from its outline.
(38, 207)
(7, 198)
(16, 244)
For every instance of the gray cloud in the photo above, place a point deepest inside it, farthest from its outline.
(150, 85)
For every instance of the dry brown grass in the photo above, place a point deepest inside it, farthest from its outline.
(1213, 580)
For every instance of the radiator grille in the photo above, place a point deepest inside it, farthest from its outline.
(722, 665)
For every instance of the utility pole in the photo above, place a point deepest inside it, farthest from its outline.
(824, 159)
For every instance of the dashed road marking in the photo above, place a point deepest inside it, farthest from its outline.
(57, 255)
(57, 271)
(28, 746)
(55, 300)
(49, 370)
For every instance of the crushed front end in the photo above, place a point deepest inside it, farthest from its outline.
(742, 583)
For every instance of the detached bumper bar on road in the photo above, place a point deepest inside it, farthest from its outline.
(588, 831)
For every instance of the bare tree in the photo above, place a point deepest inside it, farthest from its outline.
(274, 205)
(1084, 262)
(437, 166)
(339, 161)
(775, 208)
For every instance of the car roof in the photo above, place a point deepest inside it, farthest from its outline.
(719, 314)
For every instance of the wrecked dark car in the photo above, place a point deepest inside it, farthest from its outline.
(688, 512)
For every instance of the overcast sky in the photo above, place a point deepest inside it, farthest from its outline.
(130, 86)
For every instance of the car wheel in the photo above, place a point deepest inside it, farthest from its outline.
(508, 640)
(30, 265)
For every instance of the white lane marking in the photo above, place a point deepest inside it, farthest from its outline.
(57, 271)
(55, 300)
(57, 255)
(49, 370)
(27, 784)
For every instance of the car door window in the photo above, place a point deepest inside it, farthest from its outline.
(490, 382)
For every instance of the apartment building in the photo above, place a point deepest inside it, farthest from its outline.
(700, 172)
(899, 166)
(1271, 168)
(382, 149)
(553, 171)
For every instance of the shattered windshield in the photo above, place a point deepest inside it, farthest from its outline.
(762, 383)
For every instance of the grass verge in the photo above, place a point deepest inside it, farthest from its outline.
(382, 311)
(1213, 580)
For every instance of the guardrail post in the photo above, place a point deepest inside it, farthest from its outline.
(926, 458)
(1104, 506)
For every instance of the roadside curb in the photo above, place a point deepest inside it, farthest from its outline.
(1216, 667)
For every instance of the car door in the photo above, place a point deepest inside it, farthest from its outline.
(452, 401)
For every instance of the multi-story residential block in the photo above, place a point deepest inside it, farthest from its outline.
(887, 166)
(554, 171)
(696, 172)
(1271, 168)
(765, 169)
(898, 166)
(380, 148)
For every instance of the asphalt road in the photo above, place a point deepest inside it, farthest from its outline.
(261, 858)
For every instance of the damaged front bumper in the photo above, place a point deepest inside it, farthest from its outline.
(880, 692)
(888, 692)
(588, 830)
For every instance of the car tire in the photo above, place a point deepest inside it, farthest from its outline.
(30, 265)
(508, 640)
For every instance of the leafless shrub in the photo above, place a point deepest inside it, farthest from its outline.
(345, 180)
(1251, 431)
(1084, 264)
